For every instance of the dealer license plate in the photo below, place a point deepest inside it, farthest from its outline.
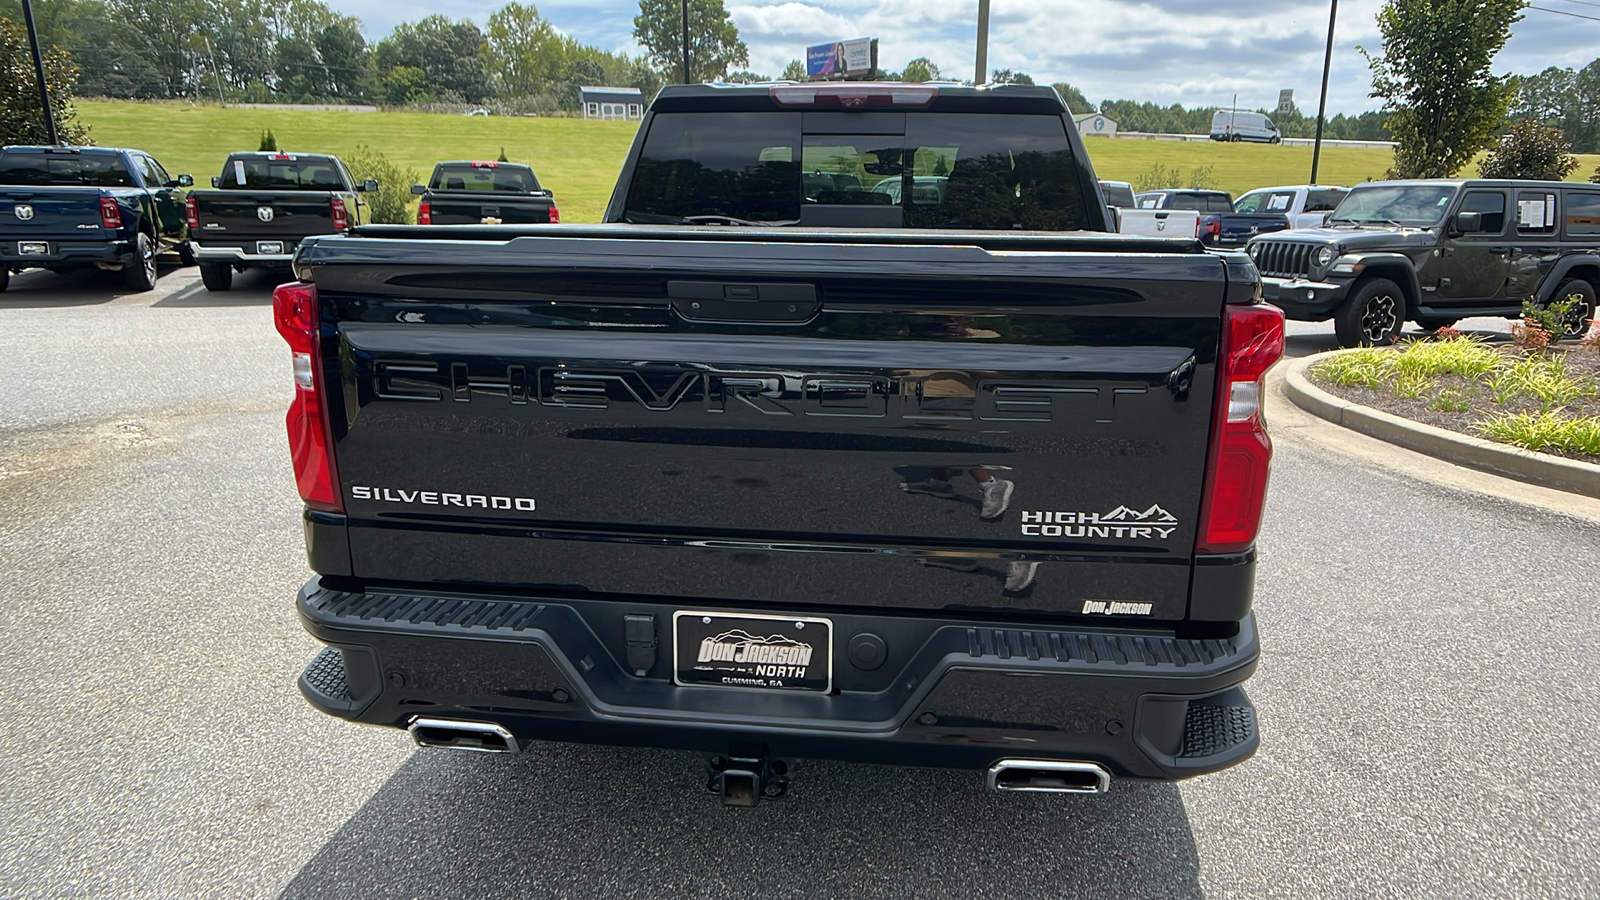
(269, 247)
(787, 653)
(33, 248)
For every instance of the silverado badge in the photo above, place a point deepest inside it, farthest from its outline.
(23, 211)
(264, 213)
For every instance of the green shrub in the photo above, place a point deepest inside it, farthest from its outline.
(269, 141)
(1530, 150)
(1551, 318)
(1545, 431)
(1541, 378)
(391, 203)
(1368, 367)
(1448, 400)
(1468, 357)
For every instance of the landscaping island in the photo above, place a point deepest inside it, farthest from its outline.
(1529, 394)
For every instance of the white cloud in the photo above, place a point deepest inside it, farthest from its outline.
(1194, 52)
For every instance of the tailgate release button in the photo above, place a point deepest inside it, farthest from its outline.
(741, 292)
(640, 633)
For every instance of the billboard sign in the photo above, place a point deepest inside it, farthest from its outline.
(854, 58)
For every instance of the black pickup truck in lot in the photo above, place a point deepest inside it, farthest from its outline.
(264, 205)
(1438, 251)
(961, 481)
(484, 193)
(66, 208)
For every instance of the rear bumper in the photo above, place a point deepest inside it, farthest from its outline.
(1302, 299)
(244, 253)
(952, 694)
(65, 254)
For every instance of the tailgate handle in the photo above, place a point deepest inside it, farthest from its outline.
(744, 301)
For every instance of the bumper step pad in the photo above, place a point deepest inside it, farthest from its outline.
(323, 682)
(1215, 730)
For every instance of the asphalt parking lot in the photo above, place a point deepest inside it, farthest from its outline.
(1427, 689)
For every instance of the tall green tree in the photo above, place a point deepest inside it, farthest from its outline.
(794, 71)
(919, 70)
(528, 56)
(714, 44)
(21, 115)
(1433, 76)
(450, 54)
(1077, 104)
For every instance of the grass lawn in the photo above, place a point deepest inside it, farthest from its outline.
(579, 159)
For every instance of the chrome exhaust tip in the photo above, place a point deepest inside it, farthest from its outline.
(451, 734)
(1049, 776)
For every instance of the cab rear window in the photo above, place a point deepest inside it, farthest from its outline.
(501, 179)
(63, 170)
(926, 170)
(287, 174)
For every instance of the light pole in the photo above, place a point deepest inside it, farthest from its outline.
(38, 71)
(1322, 104)
(685, 41)
(983, 43)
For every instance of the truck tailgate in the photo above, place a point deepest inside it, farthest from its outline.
(267, 215)
(786, 424)
(472, 208)
(57, 213)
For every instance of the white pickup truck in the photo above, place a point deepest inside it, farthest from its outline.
(1149, 222)
(1305, 205)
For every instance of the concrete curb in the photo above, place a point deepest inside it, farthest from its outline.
(1487, 456)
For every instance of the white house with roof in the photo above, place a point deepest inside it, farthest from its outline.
(611, 103)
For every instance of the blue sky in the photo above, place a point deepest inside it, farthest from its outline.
(1178, 51)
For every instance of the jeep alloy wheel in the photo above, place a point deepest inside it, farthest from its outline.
(1378, 319)
(1575, 324)
(1372, 316)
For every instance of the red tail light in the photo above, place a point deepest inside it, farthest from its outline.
(1214, 229)
(555, 214)
(424, 213)
(341, 216)
(110, 213)
(294, 311)
(1241, 451)
(191, 211)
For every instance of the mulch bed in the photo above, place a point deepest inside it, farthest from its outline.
(1580, 362)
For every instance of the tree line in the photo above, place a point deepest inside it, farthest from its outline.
(1567, 100)
(302, 51)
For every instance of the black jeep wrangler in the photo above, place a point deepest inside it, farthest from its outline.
(1437, 251)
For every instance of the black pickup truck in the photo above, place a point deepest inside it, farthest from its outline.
(1437, 251)
(65, 208)
(484, 193)
(264, 205)
(975, 485)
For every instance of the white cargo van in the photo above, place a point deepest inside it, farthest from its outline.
(1238, 125)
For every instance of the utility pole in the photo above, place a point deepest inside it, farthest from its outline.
(217, 73)
(685, 41)
(1322, 104)
(38, 71)
(983, 43)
